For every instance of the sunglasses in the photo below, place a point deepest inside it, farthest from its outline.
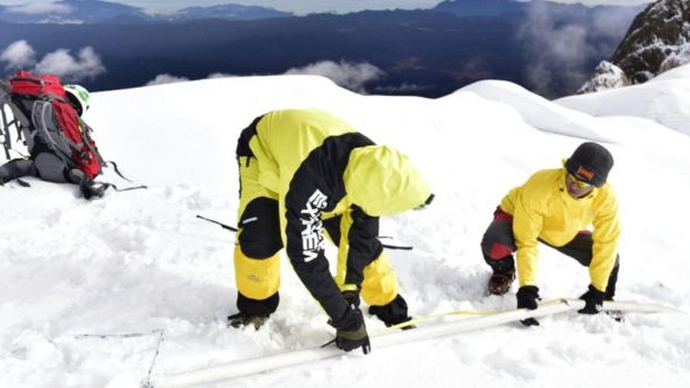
(578, 182)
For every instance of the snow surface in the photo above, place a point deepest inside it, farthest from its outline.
(136, 264)
(663, 99)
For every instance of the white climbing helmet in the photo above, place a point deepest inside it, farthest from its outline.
(79, 98)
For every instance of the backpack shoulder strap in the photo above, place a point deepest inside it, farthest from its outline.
(5, 132)
(86, 131)
(19, 120)
(5, 90)
(50, 133)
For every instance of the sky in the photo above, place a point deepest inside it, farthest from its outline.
(307, 6)
(89, 289)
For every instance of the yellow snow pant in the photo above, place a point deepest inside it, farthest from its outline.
(259, 240)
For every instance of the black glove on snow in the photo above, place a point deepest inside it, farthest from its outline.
(351, 332)
(594, 301)
(527, 297)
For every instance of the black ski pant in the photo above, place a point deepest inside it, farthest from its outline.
(45, 165)
(17, 168)
(498, 245)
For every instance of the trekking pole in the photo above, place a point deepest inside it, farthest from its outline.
(387, 246)
(228, 227)
(222, 225)
(5, 131)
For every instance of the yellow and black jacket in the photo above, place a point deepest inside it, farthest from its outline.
(318, 165)
(543, 209)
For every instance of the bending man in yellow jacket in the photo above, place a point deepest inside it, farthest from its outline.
(556, 207)
(303, 171)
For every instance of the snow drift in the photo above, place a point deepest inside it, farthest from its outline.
(88, 286)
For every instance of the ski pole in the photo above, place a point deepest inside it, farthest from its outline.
(228, 227)
(222, 225)
(402, 248)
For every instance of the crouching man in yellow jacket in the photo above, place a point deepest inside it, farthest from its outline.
(303, 172)
(556, 207)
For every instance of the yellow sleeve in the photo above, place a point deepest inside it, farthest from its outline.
(606, 234)
(527, 224)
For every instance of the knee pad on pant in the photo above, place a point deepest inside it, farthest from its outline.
(259, 234)
(496, 251)
(256, 278)
(498, 241)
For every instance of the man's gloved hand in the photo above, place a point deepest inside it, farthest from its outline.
(527, 297)
(351, 333)
(351, 297)
(594, 301)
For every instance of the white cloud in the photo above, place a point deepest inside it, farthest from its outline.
(18, 54)
(555, 49)
(221, 75)
(40, 8)
(348, 75)
(60, 62)
(162, 79)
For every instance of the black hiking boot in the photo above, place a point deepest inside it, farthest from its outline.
(91, 189)
(500, 282)
(393, 313)
(240, 320)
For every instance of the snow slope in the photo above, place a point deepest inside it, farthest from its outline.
(86, 287)
(663, 99)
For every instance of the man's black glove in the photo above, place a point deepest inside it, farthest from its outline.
(351, 297)
(594, 301)
(351, 332)
(527, 297)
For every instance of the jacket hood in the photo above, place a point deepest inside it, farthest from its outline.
(382, 180)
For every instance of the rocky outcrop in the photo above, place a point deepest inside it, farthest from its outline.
(658, 40)
(606, 76)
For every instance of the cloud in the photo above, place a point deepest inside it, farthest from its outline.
(40, 8)
(18, 54)
(348, 75)
(564, 44)
(221, 75)
(60, 62)
(162, 79)
(557, 51)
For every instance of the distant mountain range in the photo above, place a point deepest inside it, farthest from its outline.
(560, 11)
(421, 52)
(95, 11)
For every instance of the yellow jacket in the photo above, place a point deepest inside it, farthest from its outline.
(543, 209)
(317, 165)
(378, 179)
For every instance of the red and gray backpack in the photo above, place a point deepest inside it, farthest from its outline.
(45, 119)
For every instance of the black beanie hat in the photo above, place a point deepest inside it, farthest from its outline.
(590, 163)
